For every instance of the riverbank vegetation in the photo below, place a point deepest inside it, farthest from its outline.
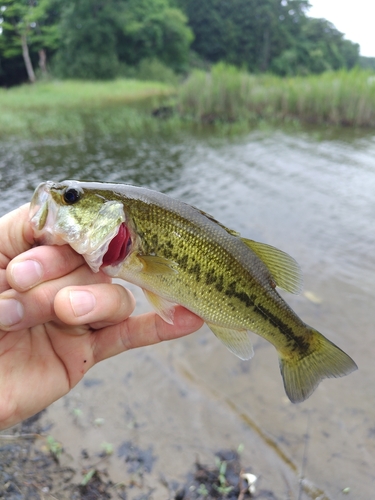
(224, 62)
(225, 97)
(227, 94)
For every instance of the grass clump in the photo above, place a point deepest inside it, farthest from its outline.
(223, 94)
(67, 108)
(227, 94)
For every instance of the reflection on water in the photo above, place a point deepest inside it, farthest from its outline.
(312, 197)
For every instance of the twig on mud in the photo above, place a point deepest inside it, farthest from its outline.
(14, 437)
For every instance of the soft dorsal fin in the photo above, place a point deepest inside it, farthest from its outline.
(283, 268)
(237, 341)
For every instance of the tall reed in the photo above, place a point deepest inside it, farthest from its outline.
(229, 94)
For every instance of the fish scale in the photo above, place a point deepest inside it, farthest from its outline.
(218, 265)
(181, 255)
(181, 248)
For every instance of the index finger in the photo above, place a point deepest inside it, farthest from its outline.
(16, 237)
(16, 234)
(41, 264)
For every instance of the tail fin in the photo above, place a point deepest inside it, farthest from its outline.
(324, 360)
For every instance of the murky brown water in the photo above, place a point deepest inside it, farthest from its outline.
(312, 195)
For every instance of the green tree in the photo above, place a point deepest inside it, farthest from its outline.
(318, 47)
(153, 29)
(97, 35)
(367, 62)
(88, 40)
(208, 25)
(263, 35)
(28, 26)
(247, 33)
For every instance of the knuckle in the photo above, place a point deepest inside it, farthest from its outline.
(42, 302)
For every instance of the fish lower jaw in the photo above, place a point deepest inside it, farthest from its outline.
(94, 260)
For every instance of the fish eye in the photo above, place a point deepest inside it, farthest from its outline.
(71, 196)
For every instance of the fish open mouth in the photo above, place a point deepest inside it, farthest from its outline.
(118, 248)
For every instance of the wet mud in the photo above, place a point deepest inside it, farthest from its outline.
(35, 467)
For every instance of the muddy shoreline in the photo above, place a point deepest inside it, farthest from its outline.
(35, 466)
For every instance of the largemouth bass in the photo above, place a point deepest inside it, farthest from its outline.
(180, 255)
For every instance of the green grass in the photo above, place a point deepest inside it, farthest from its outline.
(78, 94)
(68, 108)
(227, 94)
(227, 98)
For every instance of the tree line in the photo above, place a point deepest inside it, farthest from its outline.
(103, 39)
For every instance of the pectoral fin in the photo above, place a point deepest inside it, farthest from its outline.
(283, 268)
(163, 307)
(153, 264)
(237, 341)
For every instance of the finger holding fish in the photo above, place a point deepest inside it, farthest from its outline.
(143, 330)
(97, 305)
(37, 305)
(41, 264)
(16, 237)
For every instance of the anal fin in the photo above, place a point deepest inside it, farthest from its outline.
(237, 341)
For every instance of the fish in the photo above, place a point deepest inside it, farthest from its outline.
(179, 254)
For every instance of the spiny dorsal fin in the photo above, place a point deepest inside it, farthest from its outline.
(237, 341)
(283, 268)
(212, 218)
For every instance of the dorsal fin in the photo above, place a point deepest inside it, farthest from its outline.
(283, 268)
(212, 219)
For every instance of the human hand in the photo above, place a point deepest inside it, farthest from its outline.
(58, 319)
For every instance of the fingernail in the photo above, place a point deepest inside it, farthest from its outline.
(26, 274)
(11, 312)
(82, 302)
